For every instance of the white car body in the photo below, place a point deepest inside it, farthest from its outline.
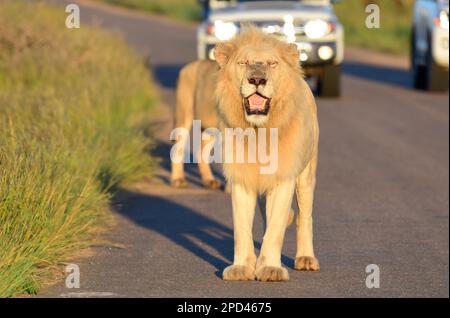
(429, 31)
(429, 45)
(271, 14)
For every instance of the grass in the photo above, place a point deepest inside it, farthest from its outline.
(185, 10)
(392, 37)
(72, 107)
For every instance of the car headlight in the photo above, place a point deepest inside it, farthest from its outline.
(315, 29)
(442, 20)
(224, 30)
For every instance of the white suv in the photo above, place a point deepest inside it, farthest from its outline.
(429, 45)
(311, 24)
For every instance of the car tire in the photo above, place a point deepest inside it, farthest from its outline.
(419, 72)
(329, 83)
(437, 76)
(420, 77)
(431, 77)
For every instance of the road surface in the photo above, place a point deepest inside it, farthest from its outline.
(382, 194)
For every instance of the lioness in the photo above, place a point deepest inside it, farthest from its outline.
(195, 101)
(260, 84)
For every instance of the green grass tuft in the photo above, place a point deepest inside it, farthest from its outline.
(71, 104)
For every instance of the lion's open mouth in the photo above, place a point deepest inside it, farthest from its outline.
(257, 104)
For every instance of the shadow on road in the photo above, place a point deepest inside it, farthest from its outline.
(382, 74)
(182, 225)
(167, 75)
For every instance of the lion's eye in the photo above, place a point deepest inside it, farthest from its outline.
(272, 63)
(243, 63)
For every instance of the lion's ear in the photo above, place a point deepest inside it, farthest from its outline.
(222, 52)
(291, 54)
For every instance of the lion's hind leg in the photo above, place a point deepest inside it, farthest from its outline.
(305, 184)
(208, 179)
(184, 116)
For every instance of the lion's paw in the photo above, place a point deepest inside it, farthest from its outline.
(272, 274)
(212, 184)
(307, 263)
(238, 272)
(179, 183)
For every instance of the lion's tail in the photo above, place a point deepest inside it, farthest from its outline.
(262, 207)
(291, 217)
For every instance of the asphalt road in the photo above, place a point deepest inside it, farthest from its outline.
(382, 195)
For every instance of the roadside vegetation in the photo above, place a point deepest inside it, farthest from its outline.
(392, 37)
(72, 104)
(185, 10)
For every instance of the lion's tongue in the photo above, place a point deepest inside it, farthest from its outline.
(256, 102)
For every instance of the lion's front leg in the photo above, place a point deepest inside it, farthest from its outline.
(278, 207)
(244, 203)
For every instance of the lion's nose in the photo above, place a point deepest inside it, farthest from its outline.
(255, 80)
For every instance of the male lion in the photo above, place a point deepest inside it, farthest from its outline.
(195, 100)
(260, 84)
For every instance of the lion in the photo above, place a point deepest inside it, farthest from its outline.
(195, 100)
(260, 85)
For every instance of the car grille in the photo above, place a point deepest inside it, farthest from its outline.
(276, 28)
